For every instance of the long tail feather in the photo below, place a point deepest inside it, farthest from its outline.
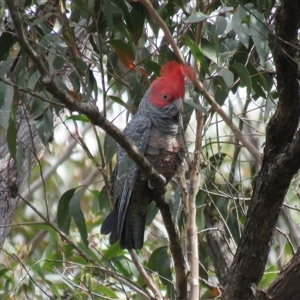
(132, 235)
(110, 222)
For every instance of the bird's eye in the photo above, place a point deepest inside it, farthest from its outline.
(165, 96)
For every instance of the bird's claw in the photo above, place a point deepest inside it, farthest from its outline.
(162, 178)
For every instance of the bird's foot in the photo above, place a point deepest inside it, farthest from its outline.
(162, 178)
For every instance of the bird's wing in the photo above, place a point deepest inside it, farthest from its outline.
(127, 171)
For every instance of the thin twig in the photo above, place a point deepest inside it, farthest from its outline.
(147, 279)
(192, 212)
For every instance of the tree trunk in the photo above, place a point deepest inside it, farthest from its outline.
(281, 161)
(14, 174)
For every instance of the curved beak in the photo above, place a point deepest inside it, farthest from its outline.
(178, 103)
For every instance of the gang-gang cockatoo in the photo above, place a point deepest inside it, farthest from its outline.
(156, 129)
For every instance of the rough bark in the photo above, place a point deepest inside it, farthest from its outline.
(281, 161)
(286, 285)
(218, 245)
(12, 179)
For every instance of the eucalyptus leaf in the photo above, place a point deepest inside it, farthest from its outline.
(259, 33)
(239, 27)
(197, 53)
(220, 25)
(244, 75)
(12, 134)
(197, 17)
(159, 261)
(227, 76)
(110, 147)
(63, 216)
(6, 98)
(197, 106)
(77, 215)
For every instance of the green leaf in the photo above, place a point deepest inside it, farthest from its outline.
(45, 127)
(119, 25)
(197, 53)
(63, 216)
(7, 40)
(221, 95)
(138, 19)
(123, 6)
(259, 34)
(4, 67)
(221, 25)
(112, 252)
(152, 66)
(258, 83)
(160, 262)
(220, 89)
(33, 79)
(136, 90)
(38, 107)
(82, 118)
(38, 269)
(6, 97)
(107, 9)
(89, 253)
(3, 271)
(76, 213)
(81, 4)
(244, 76)
(197, 17)
(103, 290)
(12, 135)
(209, 50)
(227, 76)
(103, 200)
(110, 147)
(79, 64)
(241, 29)
(60, 58)
(197, 106)
(118, 100)
(152, 211)
(75, 80)
(92, 87)
(124, 52)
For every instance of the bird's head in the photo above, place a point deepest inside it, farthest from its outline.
(169, 88)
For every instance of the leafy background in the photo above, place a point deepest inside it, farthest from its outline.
(107, 53)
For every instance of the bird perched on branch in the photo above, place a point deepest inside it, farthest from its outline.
(156, 129)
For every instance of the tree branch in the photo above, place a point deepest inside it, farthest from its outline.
(286, 286)
(147, 279)
(220, 249)
(192, 231)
